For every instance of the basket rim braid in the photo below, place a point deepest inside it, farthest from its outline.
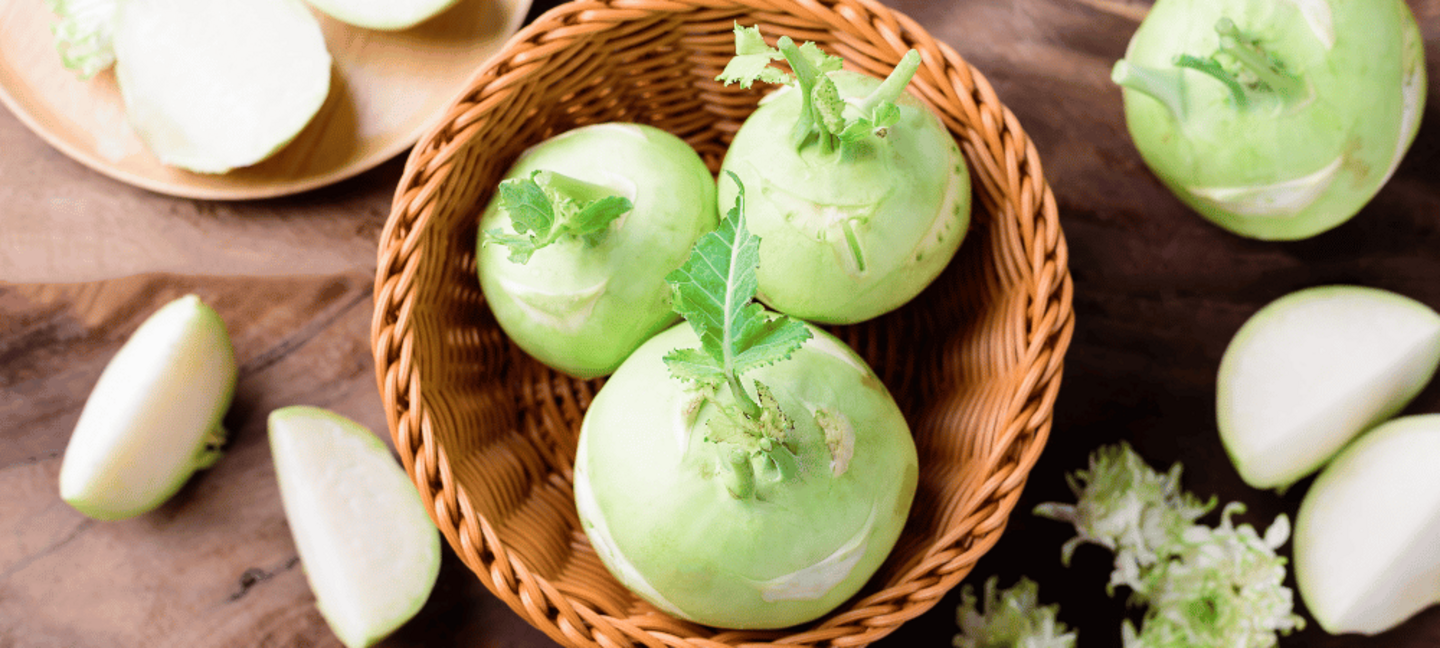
(488, 434)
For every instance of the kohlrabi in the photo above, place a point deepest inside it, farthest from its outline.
(85, 33)
(859, 192)
(1314, 368)
(368, 548)
(747, 470)
(1275, 119)
(213, 85)
(575, 245)
(1367, 538)
(153, 418)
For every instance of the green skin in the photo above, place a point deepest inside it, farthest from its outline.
(583, 309)
(667, 523)
(905, 200)
(1304, 154)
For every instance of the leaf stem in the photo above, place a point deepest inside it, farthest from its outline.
(894, 85)
(1232, 42)
(806, 75)
(1165, 86)
(747, 404)
(740, 478)
(573, 188)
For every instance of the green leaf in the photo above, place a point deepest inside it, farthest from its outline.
(715, 290)
(1200, 585)
(549, 206)
(694, 365)
(84, 36)
(752, 60)
(1010, 618)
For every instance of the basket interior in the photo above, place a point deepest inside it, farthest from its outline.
(489, 434)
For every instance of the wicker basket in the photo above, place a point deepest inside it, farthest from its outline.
(488, 434)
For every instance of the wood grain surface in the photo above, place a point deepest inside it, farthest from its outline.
(84, 258)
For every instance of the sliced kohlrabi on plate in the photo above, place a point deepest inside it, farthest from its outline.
(213, 85)
(368, 548)
(153, 418)
(386, 15)
(1367, 537)
(1313, 369)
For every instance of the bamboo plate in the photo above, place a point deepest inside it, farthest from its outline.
(386, 89)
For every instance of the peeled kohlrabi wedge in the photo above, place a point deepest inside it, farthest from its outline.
(386, 15)
(1314, 368)
(369, 550)
(153, 418)
(1367, 537)
(213, 85)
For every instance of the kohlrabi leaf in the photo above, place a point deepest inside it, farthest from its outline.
(825, 115)
(85, 34)
(1011, 618)
(715, 290)
(547, 206)
(1127, 507)
(1200, 585)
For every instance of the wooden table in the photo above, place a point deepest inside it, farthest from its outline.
(1159, 293)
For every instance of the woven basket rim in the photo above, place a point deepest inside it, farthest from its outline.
(1003, 161)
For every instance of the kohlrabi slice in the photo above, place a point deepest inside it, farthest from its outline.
(1277, 119)
(84, 35)
(1367, 537)
(386, 15)
(153, 418)
(747, 470)
(368, 548)
(858, 190)
(1313, 369)
(213, 85)
(575, 245)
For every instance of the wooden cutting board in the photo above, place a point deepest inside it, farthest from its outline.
(85, 258)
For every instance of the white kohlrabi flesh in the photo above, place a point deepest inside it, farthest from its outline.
(153, 418)
(581, 302)
(368, 548)
(1275, 119)
(214, 85)
(84, 34)
(1367, 537)
(385, 15)
(860, 193)
(738, 510)
(1311, 370)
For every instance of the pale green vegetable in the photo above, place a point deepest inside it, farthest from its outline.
(154, 416)
(84, 35)
(858, 190)
(760, 500)
(1314, 368)
(574, 247)
(1367, 537)
(1010, 618)
(385, 15)
(1275, 119)
(1201, 586)
(214, 85)
(369, 550)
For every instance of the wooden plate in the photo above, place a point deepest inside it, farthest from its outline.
(386, 90)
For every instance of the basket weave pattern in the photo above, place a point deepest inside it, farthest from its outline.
(488, 434)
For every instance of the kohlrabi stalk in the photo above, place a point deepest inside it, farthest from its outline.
(547, 206)
(1278, 119)
(858, 189)
(715, 292)
(745, 470)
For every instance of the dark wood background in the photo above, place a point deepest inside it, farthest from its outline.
(1159, 292)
